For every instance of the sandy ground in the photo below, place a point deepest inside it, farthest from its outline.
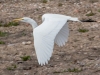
(81, 52)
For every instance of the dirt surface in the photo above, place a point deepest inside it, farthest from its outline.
(80, 55)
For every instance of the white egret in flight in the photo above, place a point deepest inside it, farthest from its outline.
(54, 29)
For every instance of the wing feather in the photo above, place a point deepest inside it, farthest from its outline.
(44, 37)
(62, 36)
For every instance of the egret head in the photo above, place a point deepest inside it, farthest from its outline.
(27, 20)
(24, 19)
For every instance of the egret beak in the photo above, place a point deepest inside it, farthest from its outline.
(16, 20)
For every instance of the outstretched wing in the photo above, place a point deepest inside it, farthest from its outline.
(62, 36)
(44, 36)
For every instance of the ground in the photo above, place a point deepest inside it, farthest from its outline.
(80, 55)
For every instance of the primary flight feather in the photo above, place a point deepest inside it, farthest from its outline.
(54, 29)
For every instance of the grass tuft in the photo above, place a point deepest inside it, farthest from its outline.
(9, 24)
(99, 10)
(93, 1)
(2, 42)
(44, 1)
(69, 70)
(25, 58)
(12, 67)
(74, 70)
(24, 34)
(83, 30)
(60, 71)
(3, 34)
(60, 4)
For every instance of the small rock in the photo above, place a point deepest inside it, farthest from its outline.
(76, 10)
(88, 12)
(85, 53)
(19, 62)
(10, 44)
(26, 43)
(95, 3)
(98, 21)
(26, 73)
(95, 26)
(23, 43)
(27, 68)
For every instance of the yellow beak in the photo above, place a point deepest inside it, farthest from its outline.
(16, 20)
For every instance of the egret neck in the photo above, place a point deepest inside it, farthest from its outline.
(33, 23)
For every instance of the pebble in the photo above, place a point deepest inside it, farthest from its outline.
(88, 12)
(10, 45)
(95, 26)
(98, 21)
(27, 68)
(26, 43)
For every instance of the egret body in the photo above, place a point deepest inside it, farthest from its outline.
(54, 29)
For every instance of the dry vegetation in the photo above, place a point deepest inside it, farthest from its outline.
(80, 55)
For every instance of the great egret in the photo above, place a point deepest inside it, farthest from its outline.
(54, 29)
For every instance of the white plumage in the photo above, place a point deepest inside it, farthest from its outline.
(54, 29)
